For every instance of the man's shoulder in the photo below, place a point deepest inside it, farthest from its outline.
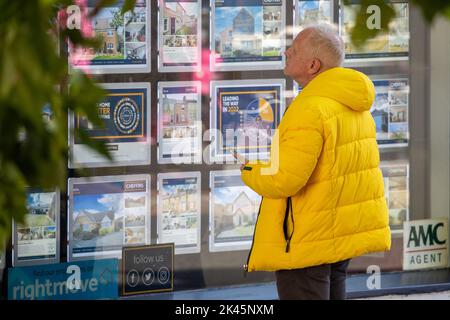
(317, 104)
(324, 106)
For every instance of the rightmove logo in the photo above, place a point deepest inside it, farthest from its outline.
(95, 279)
(49, 289)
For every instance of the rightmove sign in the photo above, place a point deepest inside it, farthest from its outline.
(425, 244)
(83, 280)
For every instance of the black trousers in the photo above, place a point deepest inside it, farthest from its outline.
(323, 282)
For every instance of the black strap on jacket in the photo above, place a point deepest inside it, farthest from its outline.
(288, 212)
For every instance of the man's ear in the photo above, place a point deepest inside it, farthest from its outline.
(314, 66)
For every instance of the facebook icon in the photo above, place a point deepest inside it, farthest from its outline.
(132, 278)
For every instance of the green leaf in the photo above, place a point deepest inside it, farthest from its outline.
(128, 6)
(362, 30)
(78, 39)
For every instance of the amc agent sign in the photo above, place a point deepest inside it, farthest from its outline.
(125, 113)
(425, 244)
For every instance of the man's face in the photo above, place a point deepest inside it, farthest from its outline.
(298, 59)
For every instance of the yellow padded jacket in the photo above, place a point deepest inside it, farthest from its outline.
(323, 196)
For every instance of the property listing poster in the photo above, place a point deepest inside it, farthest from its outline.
(312, 12)
(393, 45)
(125, 45)
(125, 113)
(106, 214)
(396, 189)
(390, 112)
(179, 122)
(233, 212)
(245, 115)
(247, 34)
(179, 35)
(179, 212)
(36, 241)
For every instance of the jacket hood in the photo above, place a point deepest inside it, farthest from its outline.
(347, 86)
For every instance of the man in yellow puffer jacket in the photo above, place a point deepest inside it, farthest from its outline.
(324, 201)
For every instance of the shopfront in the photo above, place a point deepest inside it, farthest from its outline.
(184, 80)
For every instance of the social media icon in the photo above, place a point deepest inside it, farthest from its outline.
(148, 276)
(163, 275)
(132, 278)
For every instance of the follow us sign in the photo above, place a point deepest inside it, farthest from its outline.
(85, 280)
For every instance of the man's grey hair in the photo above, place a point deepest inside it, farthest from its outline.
(326, 44)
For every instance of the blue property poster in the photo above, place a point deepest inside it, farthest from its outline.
(125, 113)
(246, 117)
(247, 33)
(108, 213)
(87, 280)
(390, 112)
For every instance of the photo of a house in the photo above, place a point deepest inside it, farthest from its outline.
(138, 15)
(398, 199)
(131, 202)
(238, 31)
(272, 13)
(271, 29)
(134, 235)
(398, 130)
(397, 217)
(135, 33)
(180, 207)
(180, 18)
(375, 45)
(179, 119)
(135, 51)
(390, 110)
(98, 220)
(398, 114)
(179, 109)
(310, 12)
(41, 205)
(399, 29)
(24, 234)
(118, 33)
(397, 40)
(179, 24)
(397, 195)
(397, 183)
(380, 113)
(398, 97)
(235, 209)
(109, 26)
(41, 217)
(134, 220)
(49, 232)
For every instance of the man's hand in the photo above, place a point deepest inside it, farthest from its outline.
(242, 160)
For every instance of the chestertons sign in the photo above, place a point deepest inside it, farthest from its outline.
(425, 244)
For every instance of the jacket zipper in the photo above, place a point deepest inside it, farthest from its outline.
(289, 212)
(253, 240)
